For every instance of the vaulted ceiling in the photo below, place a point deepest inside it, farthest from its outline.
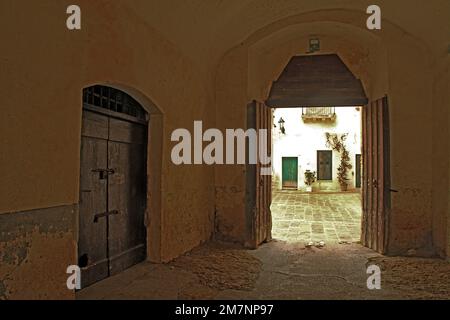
(205, 30)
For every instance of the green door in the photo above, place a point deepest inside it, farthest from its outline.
(290, 172)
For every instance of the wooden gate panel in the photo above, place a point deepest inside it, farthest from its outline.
(369, 194)
(92, 245)
(269, 178)
(259, 182)
(264, 181)
(258, 186)
(364, 184)
(358, 171)
(376, 175)
(374, 180)
(384, 180)
(127, 194)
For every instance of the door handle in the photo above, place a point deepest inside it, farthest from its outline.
(393, 190)
(105, 214)
(375, 183)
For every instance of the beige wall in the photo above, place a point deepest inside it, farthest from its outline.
(44, 68)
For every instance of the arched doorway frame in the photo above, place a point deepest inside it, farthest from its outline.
(153, 215)
(263, 89)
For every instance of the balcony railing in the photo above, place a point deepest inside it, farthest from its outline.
(310, 114)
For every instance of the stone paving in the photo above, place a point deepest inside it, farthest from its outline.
(315, 217)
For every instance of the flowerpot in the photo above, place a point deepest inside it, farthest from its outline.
(308, 189)
(344, 187)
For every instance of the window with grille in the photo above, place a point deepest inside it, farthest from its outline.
(318, 114)
(114, 100)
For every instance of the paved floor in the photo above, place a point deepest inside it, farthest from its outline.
(285, 269)
(328, 217)
(277, 270)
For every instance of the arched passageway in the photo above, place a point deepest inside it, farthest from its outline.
(325, 81)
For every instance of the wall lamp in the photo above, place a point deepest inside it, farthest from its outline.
(281, 123)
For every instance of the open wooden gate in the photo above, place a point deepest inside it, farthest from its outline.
(376, 176)
(259, 179)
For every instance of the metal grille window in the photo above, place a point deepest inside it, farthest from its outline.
(318, 114)
(114, 100)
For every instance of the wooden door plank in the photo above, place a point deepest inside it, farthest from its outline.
(258, 183)
(258, 186)
(264, 187)
(386, 175)
(269, 183)
(376, 176)
(364, 178)
(369, 175)
(127, 194)
(251, 185)
(381, 181)
(374, 118)
(92, 241)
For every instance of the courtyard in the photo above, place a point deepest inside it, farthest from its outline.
(315, 217)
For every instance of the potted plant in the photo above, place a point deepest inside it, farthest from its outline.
(310, 178)
(337, 143)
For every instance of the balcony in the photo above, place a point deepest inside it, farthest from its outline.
(319, 114)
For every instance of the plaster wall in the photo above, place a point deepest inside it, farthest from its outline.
(303, 140)
(36, 247)
(41, 80)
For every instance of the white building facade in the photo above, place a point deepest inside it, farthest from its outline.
(303, 147)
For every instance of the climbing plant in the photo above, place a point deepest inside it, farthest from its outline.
(337, 143)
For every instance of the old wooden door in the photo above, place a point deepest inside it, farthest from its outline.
(259, 178)
(112, 234)
(289, 172)
(92, 243)
(325, 165)
(376, 175)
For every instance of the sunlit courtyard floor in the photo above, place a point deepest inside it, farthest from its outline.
(328, 217)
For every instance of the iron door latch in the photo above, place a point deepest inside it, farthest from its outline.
(103, 173)
(105, 214)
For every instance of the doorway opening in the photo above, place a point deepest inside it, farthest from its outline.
(315, 188)
(309, 81)
(113, 184)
